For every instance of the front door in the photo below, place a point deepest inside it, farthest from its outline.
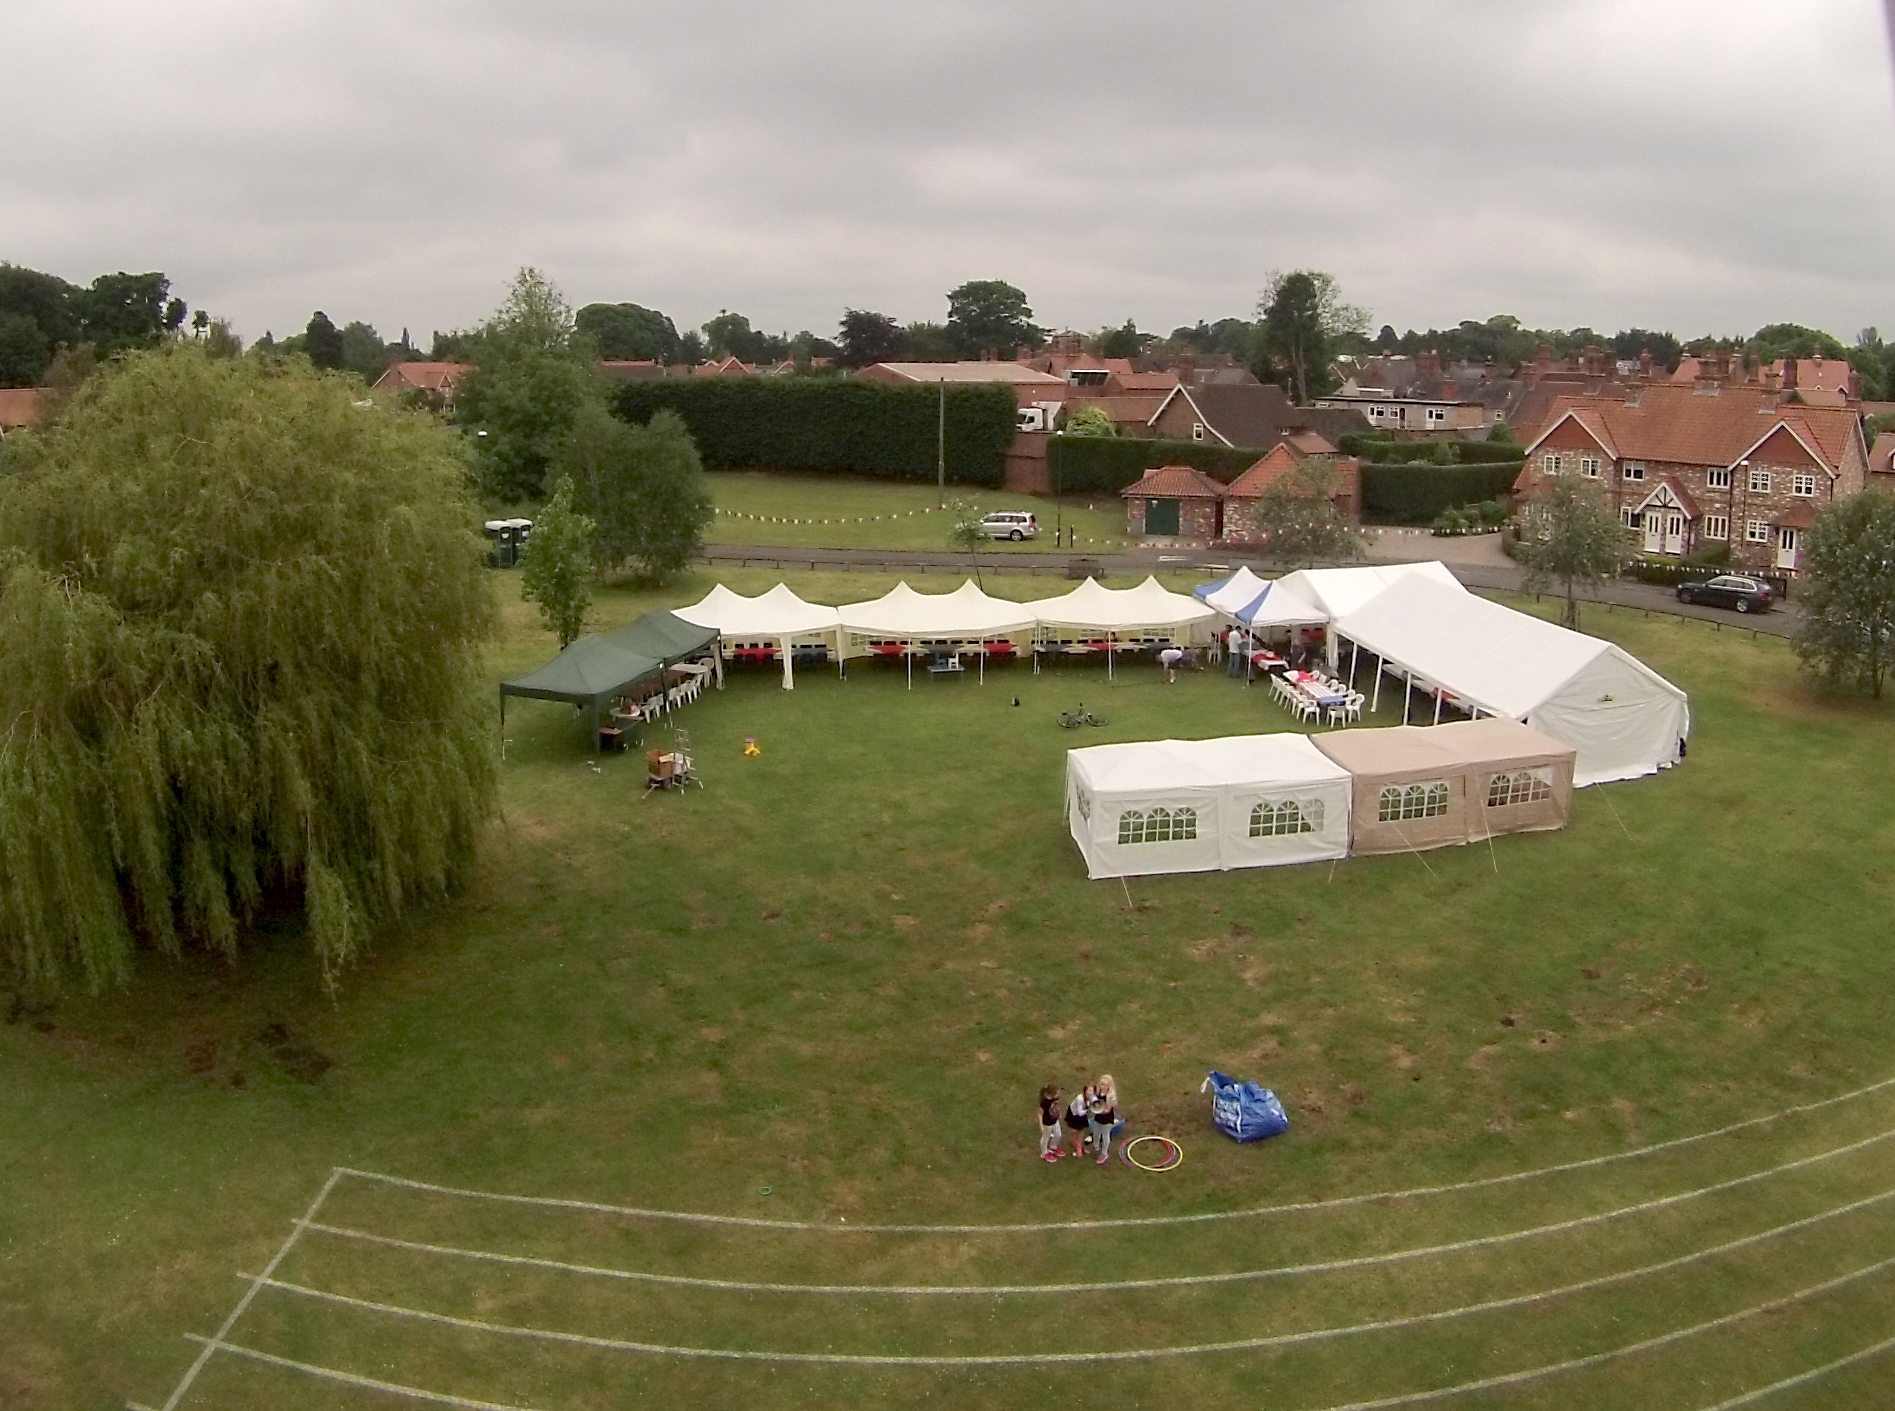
(1786, 548)
(1654, 531)
(1674, 532)
(1161, 516)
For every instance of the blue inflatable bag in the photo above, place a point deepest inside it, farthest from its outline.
(1244, 1112)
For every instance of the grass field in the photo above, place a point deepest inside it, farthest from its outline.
(841, 970)
(838, 512)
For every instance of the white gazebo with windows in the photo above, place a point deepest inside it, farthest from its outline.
(1205, 805)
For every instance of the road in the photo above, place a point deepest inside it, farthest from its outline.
(1474, 573)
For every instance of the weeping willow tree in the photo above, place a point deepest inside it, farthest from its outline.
(240, 626)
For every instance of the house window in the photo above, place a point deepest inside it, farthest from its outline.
(1552, 462)
(1803, 485)
(1197, 431)
(1437, 414)
(1401, 802)
(1589, 467)
(1718, 478)
(1634, 470)
(1158, 825)
(1717, 526)
(1759, 482)
(1276, 820)
(1521, 786)
(1631, 517)
(1756, 531)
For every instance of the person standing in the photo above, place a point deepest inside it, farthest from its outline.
(1077, 1112)
(1236, 652)
(1050, 1110)
(1102, 1116)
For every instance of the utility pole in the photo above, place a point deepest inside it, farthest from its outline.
(940, 445)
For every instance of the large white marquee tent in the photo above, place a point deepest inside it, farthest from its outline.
(777, 617)
(1623, 718)
(965, 615)
(1115, 614)
(1206, 805)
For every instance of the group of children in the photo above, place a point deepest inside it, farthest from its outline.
(1088, 1121)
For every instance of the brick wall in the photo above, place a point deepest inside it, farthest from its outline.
(1197, 519)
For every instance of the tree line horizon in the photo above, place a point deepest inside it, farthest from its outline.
(1300, 324)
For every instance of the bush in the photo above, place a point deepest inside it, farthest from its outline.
(1364, 443)
(1382, 452)
(1093, 463)
(1415, 494)
(1482, 518)
(834, 425)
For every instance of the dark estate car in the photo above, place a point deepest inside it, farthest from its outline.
(1729, 590)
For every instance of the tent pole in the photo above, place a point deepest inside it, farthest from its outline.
(1437, 705)
(1355, 650)
(717, 660)
(1408, 694)
(908, 657)
(983, 665)
(1376, 704)
(789, 672)
(1108, 657)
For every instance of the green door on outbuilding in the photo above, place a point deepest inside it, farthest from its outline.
(1161, 516)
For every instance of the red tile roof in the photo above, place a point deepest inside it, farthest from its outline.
(1688, 426)
(429, 377)
(1279, 462)
(1798, 516)
(19, 407)
(1174, 482)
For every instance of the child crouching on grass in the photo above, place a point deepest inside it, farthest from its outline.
(1050, 1113)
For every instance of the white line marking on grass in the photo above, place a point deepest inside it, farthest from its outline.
(1116, 1285)
(440, 1398)
(216, 1340)
(1138, 1354)
(1801, 1377)
(1294, 1207)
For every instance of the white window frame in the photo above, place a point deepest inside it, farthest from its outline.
(1197, 431)
(1756, 532)
(1634, 518)
(1633, 470)
(1718, 478)
(1759, 482)
(1404, 803)
(1804, 485)
(1717, 526)
(1280, 818)
(1552, 462)
(1438, 414)
(1589, 467)
(1158, 825)
(1509, 789)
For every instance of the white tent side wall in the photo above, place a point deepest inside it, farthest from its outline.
(1624, 719)
(1324, 803)
(1098, 818)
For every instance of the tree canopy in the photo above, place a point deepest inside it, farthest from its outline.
(1847, 631)
(556, 566)
(868, 337)
(990, 314)
(1299, 319)
(240, 626)
(642, 488)
(40, 314)
(629, 332)
(322, 342)
(1569, 538)
(1299, 520)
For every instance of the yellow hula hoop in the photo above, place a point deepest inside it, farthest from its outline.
(1177, 1157)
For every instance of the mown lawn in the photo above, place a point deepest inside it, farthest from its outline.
(841, 512)
(841, 970)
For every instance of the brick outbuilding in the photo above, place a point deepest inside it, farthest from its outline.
(1174, 502)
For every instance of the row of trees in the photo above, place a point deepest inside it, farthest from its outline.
(42, 315)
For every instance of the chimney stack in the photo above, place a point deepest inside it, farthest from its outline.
(1789, 374)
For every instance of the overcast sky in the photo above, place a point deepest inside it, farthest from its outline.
(1698, 165)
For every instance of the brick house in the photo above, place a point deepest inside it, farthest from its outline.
(1174, 502)
(1709, 463)
(434, 381)
(1243, 493)
(20, 407)
(1244, 414)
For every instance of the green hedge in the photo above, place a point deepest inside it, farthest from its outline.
(1383, 452)
(1107, 464)
(1415, 494)
(838, 425)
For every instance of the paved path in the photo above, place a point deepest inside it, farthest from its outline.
(1476, 560)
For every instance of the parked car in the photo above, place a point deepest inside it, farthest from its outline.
(1729, 590)
(1010, 524)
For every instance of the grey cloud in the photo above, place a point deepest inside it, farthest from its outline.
(1705, 164)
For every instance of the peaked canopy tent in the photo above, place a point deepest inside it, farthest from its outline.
(668, 637)
(1339, 591)
(588, 673)
(1205, 805)
(965, 619)
(1113, 613)
(1417, 786)
(1623, 718)
(777, 617)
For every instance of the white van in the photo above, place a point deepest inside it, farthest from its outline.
(1010, 524)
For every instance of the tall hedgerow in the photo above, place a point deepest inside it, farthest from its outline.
(240, 624)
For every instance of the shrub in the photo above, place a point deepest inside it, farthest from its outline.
(834, 425)
(1092, 463)
(1415, 494)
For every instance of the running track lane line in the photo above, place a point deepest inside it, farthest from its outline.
(1297, 1207)
(1801, 1378)
(1136, 1354)
(1113, 1286)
